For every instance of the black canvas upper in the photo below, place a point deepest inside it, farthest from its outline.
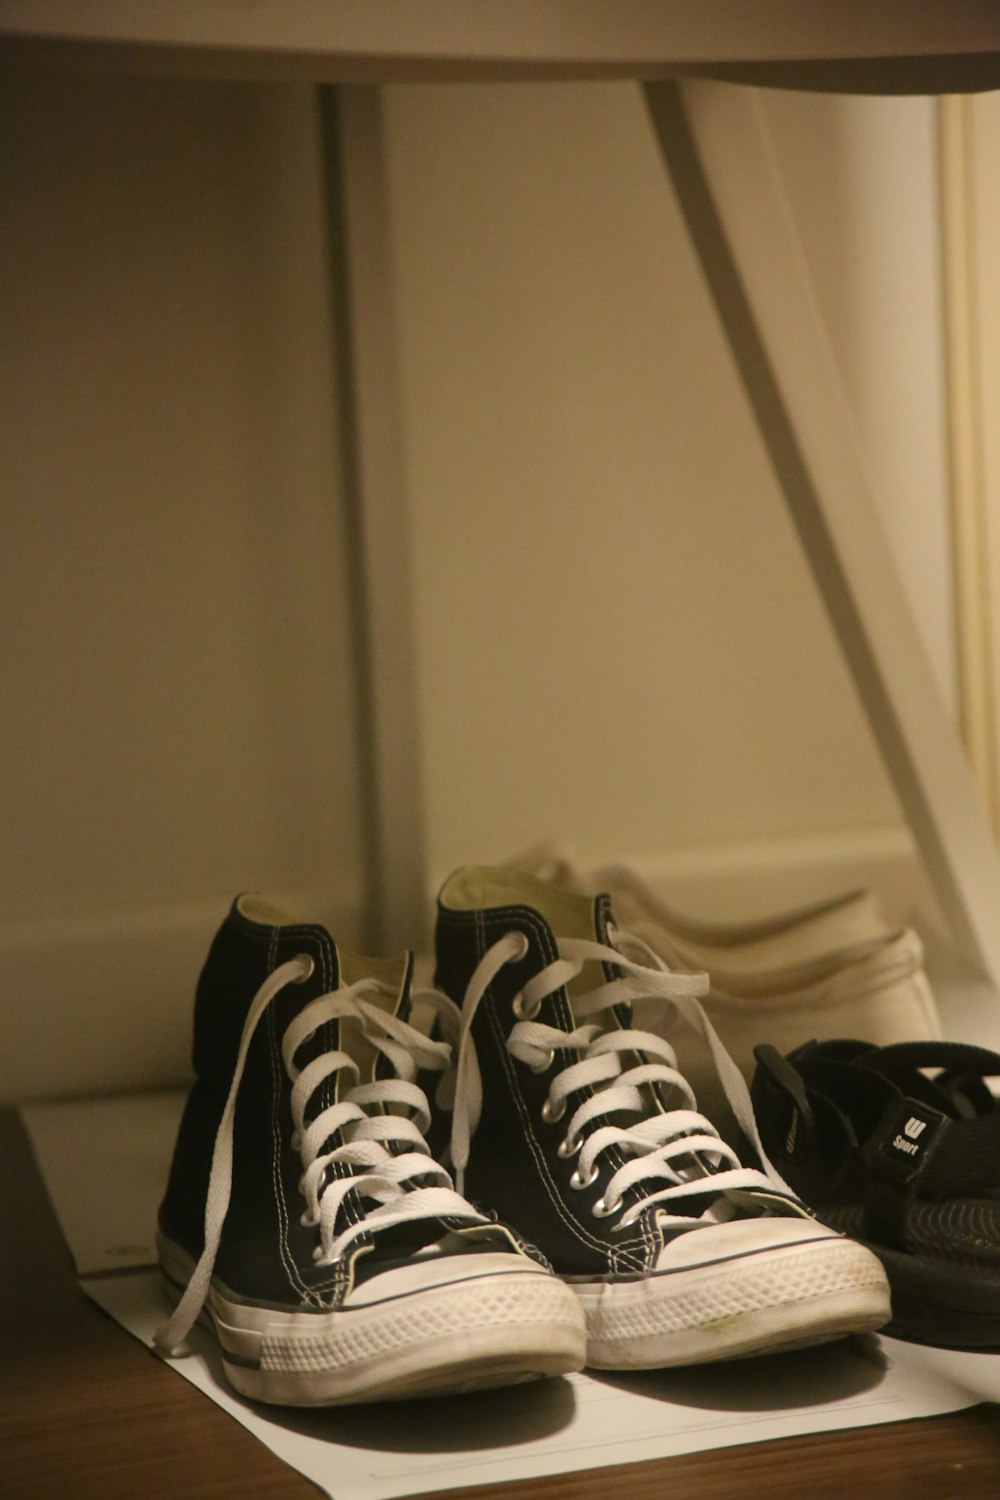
(514, 1166)
(266, 1254)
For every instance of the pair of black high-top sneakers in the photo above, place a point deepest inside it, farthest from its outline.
(316, 1215)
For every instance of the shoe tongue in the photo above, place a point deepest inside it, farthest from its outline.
(394, 978)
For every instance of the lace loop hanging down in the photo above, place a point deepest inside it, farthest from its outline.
(378, 1125)
(675, 1153)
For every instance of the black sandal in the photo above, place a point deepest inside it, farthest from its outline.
(906, 1162)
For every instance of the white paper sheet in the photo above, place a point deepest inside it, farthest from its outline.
(105, 1165)
(556, 1426)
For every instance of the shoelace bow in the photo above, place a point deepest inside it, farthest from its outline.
(679, 1145)
(368, 1119)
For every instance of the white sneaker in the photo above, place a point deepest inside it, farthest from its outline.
(774, 942)
(834, 969)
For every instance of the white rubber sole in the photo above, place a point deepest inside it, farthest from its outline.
(782, 1299)
(472, 1334)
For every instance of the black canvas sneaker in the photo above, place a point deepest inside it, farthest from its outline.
(305, 1221)
(577, 1128)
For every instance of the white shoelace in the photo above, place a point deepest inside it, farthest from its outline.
(680, 1144)
(368, 1118)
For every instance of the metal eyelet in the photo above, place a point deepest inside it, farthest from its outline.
(602, 1209)
(567, 1148)
(578, 1183)
(522, 945)
(310, 969)
(544, 1065)
(553, 1112)
(525, 1010)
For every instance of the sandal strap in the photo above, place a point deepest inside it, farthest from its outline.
(899, 1155)
(960, 1082)
(965, 1162)
(899, 1127)
(919, 1153)
(951, 1057)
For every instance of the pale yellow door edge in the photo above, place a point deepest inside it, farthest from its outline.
(969, 155)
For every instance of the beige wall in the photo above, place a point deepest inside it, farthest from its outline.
(177, 701)
(618, 639)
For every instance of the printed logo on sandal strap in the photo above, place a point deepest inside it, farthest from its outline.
(906, 1142)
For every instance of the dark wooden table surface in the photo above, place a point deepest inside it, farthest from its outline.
(86, 1413)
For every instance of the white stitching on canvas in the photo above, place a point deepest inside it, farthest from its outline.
(576, 1228)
